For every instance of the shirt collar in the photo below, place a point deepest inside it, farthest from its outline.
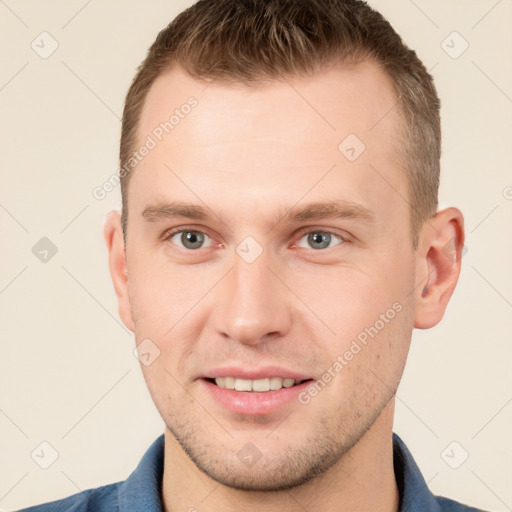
(142, 490)
(414, 493)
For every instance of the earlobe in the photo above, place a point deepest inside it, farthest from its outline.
(113, 234)
(438, 265)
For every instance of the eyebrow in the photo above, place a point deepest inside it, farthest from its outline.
(341, 209)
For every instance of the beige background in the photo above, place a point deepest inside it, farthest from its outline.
(67, 372)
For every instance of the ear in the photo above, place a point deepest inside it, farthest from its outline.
(113, 234)
(439, 257)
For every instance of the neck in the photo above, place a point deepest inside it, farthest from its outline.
(362, 480)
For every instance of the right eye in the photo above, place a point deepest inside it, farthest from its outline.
(188, 239)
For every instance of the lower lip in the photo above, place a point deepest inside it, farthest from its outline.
(254, 402)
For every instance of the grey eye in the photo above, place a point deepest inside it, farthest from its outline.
(320, 239)
(189, 239)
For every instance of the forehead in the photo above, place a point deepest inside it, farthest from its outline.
(279, 135)
(341, 99)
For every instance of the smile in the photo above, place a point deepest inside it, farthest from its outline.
(258, 385)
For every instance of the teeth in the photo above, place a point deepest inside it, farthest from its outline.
(243, 385)
(276, 383)
(259, 385)
(229, 382)
(288, 383)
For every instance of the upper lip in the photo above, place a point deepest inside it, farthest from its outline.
(263, 372)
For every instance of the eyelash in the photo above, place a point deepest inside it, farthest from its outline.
(169, 234)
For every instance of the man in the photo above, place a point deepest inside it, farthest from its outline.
(278, 243)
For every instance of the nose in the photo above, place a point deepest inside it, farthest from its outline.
(252, 303)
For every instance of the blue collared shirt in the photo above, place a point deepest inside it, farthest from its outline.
(140, 492)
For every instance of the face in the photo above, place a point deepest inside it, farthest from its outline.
(260, 244)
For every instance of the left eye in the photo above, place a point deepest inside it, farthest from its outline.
(189, 239)
(320, 239)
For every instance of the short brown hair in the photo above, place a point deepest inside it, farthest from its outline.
(251, 41)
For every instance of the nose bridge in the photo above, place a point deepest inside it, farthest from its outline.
(253, 305)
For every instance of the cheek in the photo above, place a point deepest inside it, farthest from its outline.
(161, 294)
(367, 366)
(371, 313)
(350, 299)
(168, 307)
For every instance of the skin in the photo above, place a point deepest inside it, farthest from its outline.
(252, 155)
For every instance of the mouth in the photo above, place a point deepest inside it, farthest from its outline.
(254, 397)
(255, 385)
